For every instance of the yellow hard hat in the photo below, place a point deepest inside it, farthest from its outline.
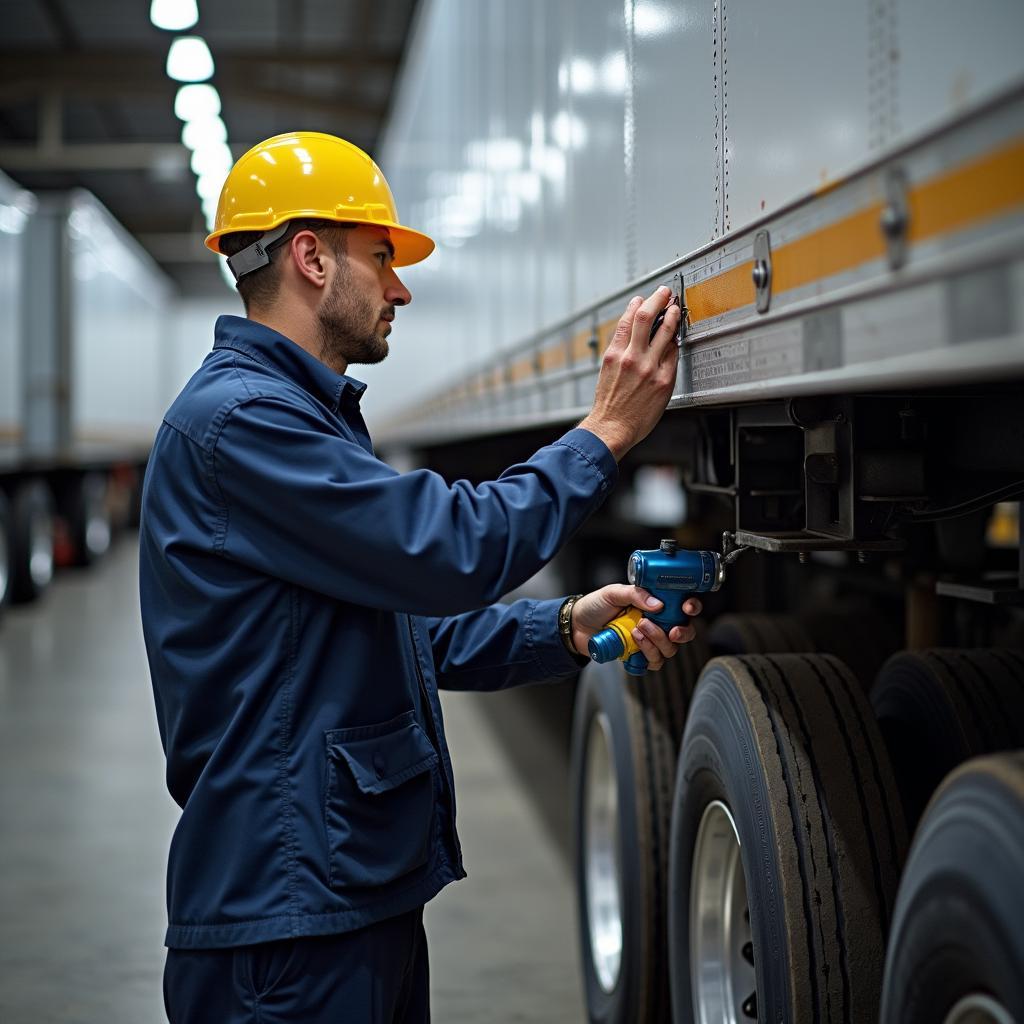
(309, 174)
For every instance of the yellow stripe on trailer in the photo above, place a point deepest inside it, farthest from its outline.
(722, 293)
(581, 347)
(976, 192)
(973, 193)
(554, 357)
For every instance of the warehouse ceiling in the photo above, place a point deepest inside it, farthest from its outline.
(85, 99)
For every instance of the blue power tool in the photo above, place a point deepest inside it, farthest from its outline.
(671, 576)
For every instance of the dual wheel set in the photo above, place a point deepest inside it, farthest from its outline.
(742, 834)
(29, 536)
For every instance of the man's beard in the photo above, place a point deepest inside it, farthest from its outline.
(347, 325)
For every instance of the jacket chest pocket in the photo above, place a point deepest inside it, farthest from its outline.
(379, 805)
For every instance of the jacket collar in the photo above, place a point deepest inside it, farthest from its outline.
(282, 354)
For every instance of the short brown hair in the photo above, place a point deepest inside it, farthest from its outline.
(260, 287)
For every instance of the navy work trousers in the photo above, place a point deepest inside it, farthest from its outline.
(377, 975)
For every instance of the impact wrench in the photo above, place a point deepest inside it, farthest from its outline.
(671, 576)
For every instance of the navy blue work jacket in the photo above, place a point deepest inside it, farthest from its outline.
(301, 603)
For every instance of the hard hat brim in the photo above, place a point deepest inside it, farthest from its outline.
(410, 246)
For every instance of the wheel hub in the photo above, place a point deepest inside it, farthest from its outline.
(601, 855)
(4, 562)
(40, 564)
(721, 950)
(978, 1009)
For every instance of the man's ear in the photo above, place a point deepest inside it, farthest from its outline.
(308, 255)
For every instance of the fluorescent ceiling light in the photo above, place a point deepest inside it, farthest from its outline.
(173, 15)
(189, 60)
(204, 131)
(195, 102)
(213, 159)
(208, 186)
(209, 207)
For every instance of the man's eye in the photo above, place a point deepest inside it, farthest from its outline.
(383, 257)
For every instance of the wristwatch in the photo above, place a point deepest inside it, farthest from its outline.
(565, 624)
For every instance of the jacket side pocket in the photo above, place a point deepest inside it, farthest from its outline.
(379, 802)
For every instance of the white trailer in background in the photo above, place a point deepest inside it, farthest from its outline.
(82, 380)
(835, 193)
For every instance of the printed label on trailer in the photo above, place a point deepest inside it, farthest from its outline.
(778, 353)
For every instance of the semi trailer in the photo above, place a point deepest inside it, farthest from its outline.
(816, 812)
(83, 380)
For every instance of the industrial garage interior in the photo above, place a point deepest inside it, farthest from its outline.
(88, 823)
(699, 298)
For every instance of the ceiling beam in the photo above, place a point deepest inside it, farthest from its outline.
(100, 156)
(233, 92)
(15, 64)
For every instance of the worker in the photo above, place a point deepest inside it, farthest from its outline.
(302, 602)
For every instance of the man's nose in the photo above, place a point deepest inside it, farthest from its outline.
(396, 293)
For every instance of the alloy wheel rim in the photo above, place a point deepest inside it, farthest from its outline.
(721, 950)
(5, 566)
(40, 565)
(979, 1008)
(601, 855)
(98, 534)
(97, 522)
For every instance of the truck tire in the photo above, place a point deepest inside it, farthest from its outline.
(786, 845)
(5, 551)
(938, 708)
(957, 950)
(625, 739)
(31, 540)
(758, 634)
(88, 515)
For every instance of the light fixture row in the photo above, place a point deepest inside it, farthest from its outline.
(197, 103)
(173, 15)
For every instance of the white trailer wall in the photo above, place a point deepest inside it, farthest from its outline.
(558, 150)
(15, 208)
(190, 336)
(120, 301)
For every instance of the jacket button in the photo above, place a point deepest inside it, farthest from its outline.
(378, 764)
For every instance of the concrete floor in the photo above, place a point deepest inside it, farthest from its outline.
(85, 822)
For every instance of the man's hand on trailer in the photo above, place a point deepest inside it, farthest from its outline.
(592, 612)
(637, 374)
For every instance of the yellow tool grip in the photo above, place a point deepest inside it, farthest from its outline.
(624, 626)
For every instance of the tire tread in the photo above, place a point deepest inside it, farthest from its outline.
(820, 721)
